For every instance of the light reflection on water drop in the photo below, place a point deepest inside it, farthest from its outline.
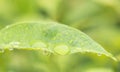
(61, 49)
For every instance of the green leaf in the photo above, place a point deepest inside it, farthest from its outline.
(49, 37)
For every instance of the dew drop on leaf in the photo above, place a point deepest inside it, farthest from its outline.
(61, 49)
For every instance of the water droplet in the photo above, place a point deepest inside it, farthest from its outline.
(99, 54)
(61, 49)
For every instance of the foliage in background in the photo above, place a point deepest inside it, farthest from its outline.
(100, 19)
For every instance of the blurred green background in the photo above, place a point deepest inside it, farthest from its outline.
(100, 19)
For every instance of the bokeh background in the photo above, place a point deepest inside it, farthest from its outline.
(100, 19)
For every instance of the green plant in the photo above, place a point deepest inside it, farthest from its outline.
(59, 36)
(48, 36)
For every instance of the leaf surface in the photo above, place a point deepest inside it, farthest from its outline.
(48, 36)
